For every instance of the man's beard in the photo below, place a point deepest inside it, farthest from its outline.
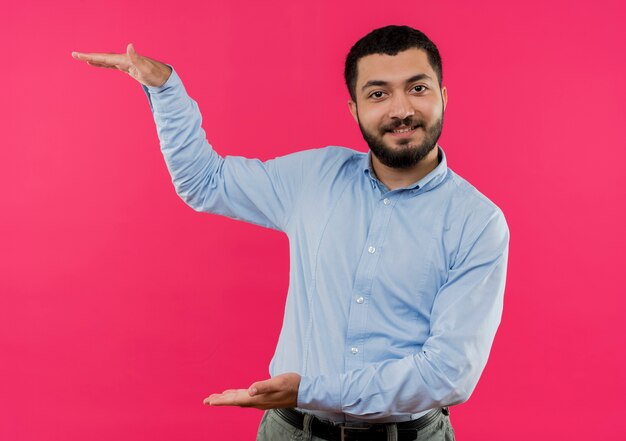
(405, 155)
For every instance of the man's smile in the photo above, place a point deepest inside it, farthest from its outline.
(403, 131)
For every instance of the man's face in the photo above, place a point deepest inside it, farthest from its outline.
(399, 106)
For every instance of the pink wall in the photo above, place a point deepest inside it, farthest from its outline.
(121, 308)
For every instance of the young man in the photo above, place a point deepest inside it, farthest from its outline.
(398, 264)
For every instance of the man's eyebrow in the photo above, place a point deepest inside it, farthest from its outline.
(414, 78)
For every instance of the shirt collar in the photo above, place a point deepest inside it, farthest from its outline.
(428, 182)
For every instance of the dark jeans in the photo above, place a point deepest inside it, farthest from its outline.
(274, 428)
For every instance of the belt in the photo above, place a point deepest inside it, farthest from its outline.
(407, 430)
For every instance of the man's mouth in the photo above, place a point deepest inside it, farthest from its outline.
(403, 130)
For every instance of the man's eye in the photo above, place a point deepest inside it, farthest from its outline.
(419, 88)
(377, 94)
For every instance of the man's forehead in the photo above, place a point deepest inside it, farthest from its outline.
(392, 68)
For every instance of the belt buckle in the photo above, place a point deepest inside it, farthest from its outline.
(346, 428)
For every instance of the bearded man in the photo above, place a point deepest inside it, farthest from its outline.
(398, 264)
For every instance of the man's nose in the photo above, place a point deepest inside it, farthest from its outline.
(400, 106)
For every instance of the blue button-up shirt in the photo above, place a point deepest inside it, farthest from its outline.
(394, 296)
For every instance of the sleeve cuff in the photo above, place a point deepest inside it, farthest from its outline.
(320, 393)
(171, 93)
(171, 82)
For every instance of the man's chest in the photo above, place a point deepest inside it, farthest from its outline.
(390, 250)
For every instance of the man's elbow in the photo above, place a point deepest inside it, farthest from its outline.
(457, 395)
(460, 383)
(190, 199)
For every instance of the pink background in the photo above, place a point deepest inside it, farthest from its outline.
(121, 308)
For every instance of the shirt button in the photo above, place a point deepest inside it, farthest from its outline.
(371, 250)
(360, 300)
(386, 201)
(354, 350)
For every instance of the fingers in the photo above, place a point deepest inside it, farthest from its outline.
(228, 393)
(92, 63)
(112, 61)
(231, 397)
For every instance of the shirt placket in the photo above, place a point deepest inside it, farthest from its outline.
(362, 291)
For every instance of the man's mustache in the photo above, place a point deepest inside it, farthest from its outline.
(408, 121)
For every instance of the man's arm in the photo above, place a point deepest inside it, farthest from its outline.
(259, 192)
(240, 188)
(464, 319)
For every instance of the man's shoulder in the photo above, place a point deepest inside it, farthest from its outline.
(328, 159)
(330, 153)
(467, 195)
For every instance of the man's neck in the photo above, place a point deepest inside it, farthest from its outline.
(394, 178)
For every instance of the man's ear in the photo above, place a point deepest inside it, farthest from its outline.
(444, 97)
(353, 110)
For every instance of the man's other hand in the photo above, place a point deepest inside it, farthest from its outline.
(278, 392)
(145, 70)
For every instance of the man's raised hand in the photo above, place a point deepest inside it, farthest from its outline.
(147, 71)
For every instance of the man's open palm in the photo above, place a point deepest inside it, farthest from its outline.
(145, 70)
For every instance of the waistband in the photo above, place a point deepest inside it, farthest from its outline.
(407, 431)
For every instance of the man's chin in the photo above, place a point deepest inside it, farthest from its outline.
(401, 155)
(401, 144)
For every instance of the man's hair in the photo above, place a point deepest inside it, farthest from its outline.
(389, 41)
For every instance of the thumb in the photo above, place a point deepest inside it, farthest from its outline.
(132, 54)
(262, 387)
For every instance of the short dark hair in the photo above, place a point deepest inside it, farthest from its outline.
(390, 40)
